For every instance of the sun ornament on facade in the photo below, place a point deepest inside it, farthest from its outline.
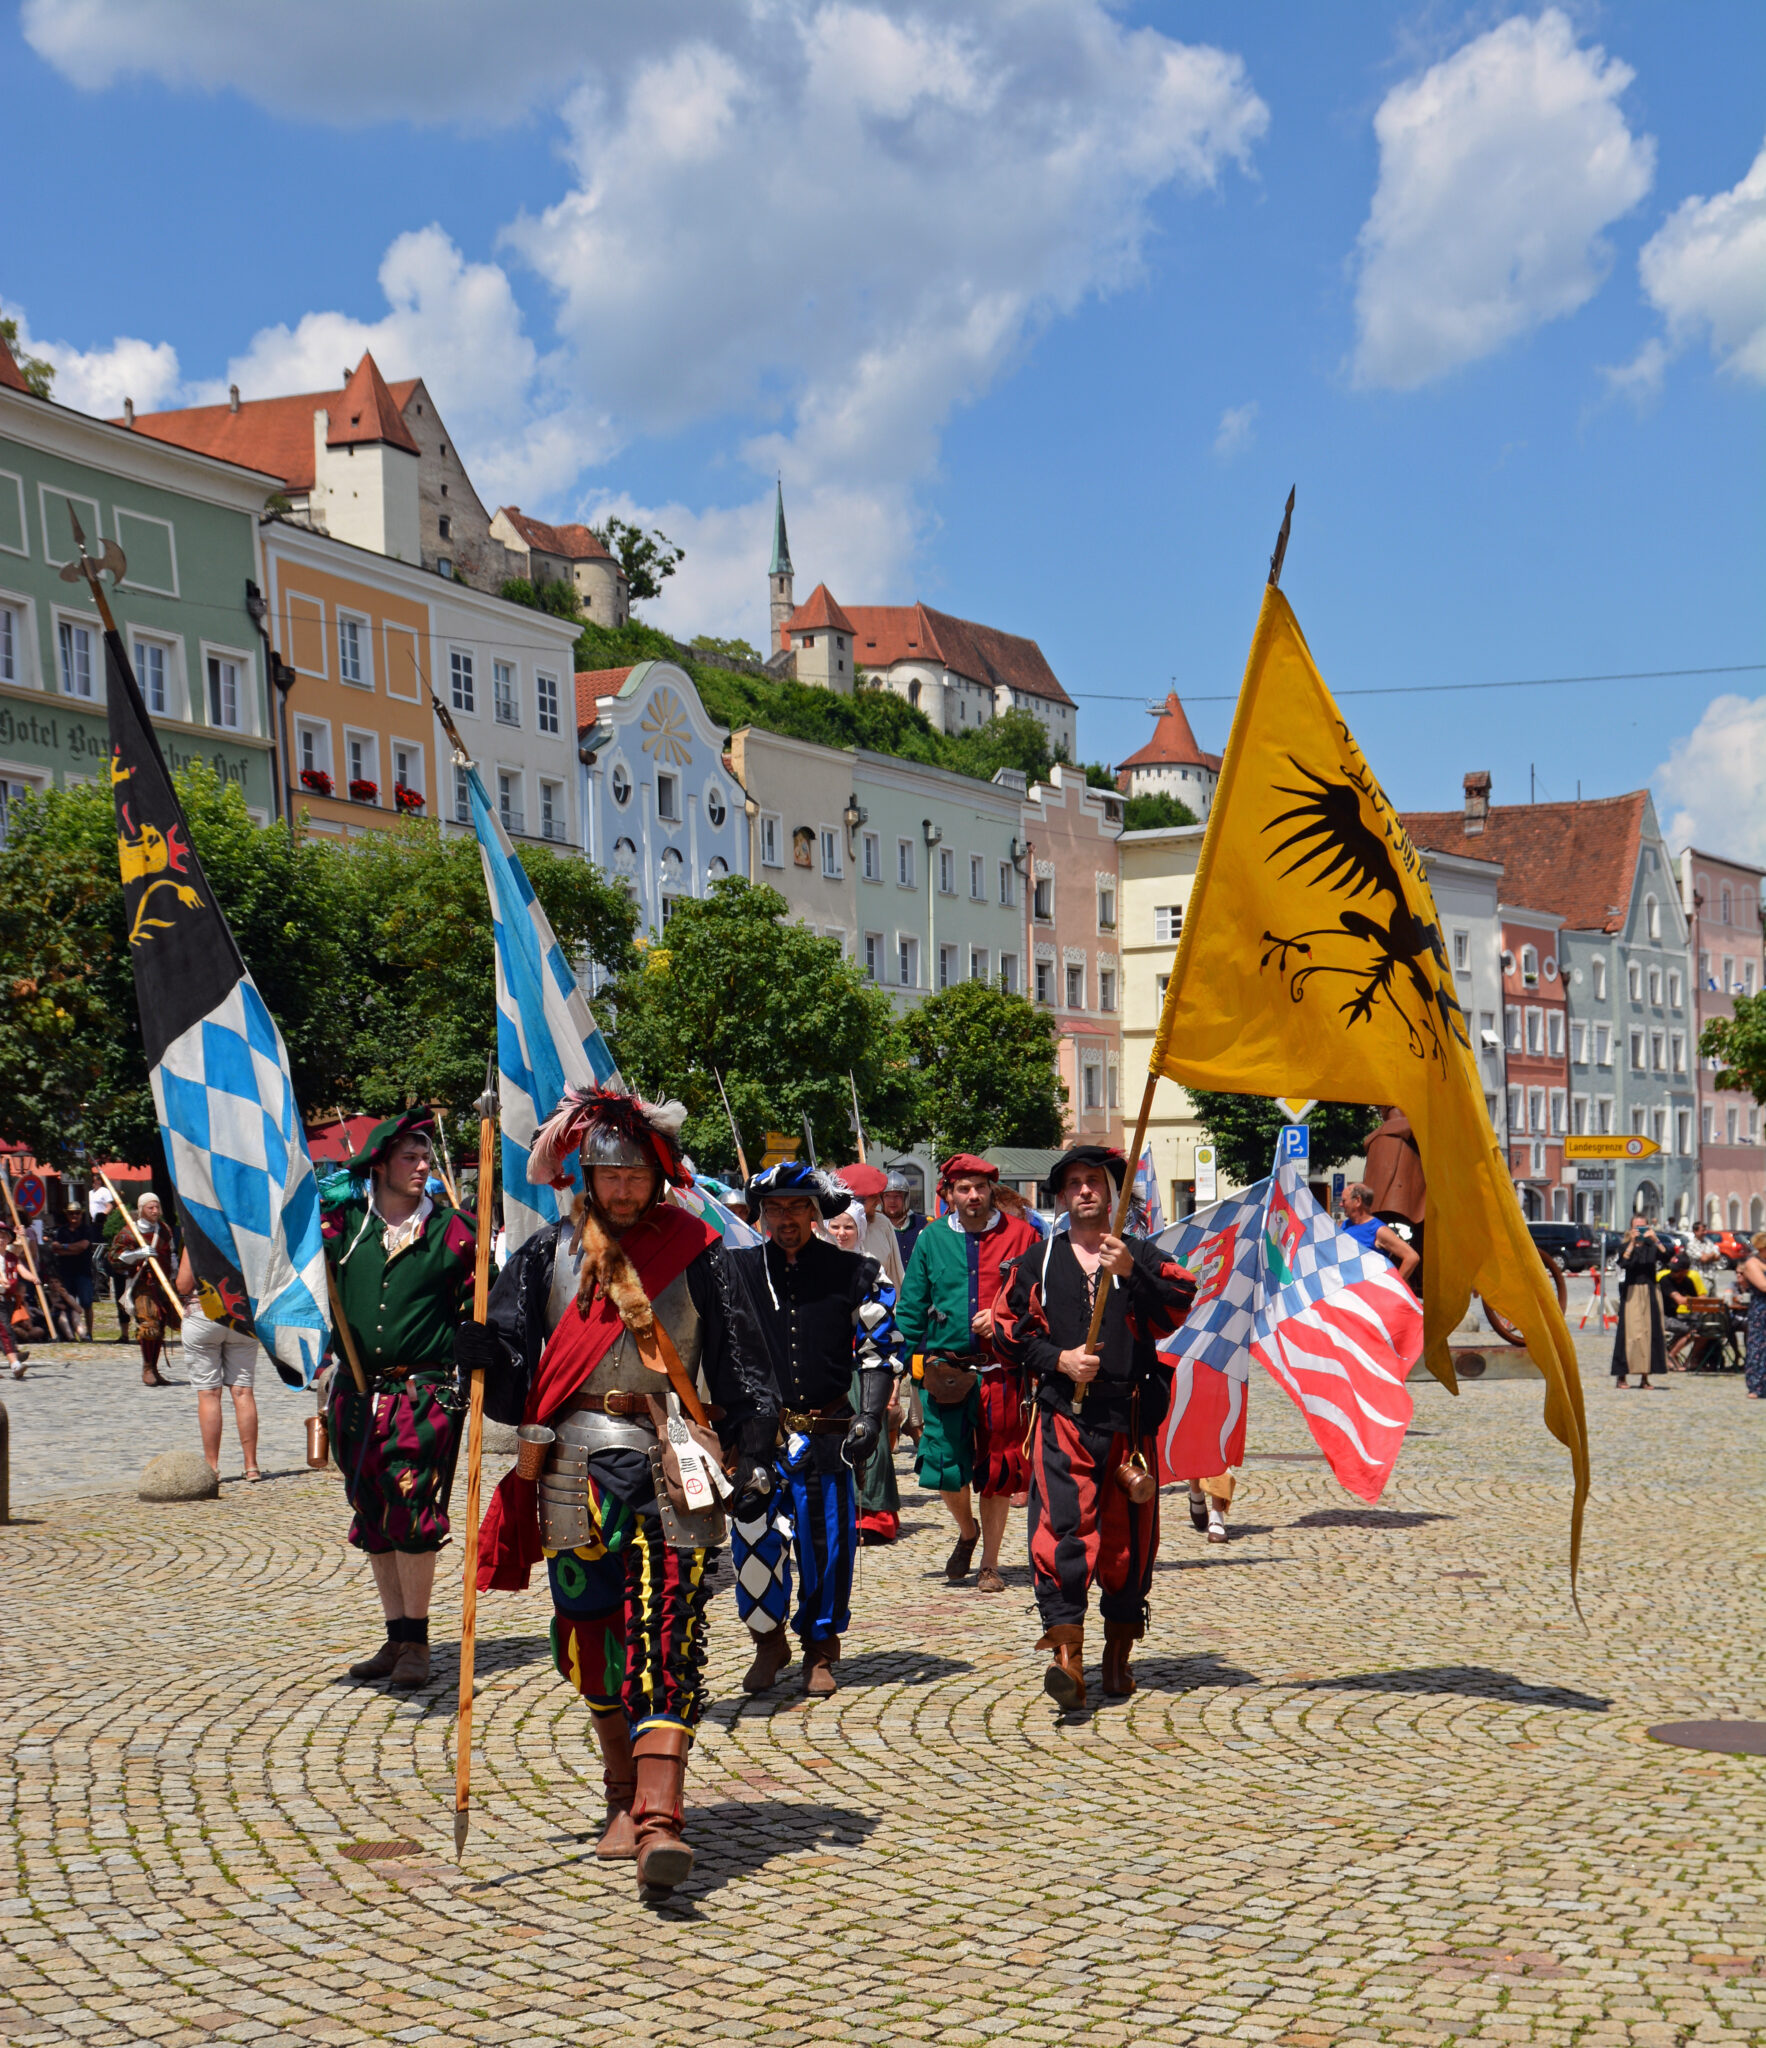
(666, 732)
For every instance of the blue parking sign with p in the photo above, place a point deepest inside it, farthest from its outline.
(1294, 1143)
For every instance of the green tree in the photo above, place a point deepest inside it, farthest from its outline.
(1148, 813)
(1015, 739)
(648, 559)
(736, 650)
(1739, 1044)
(735, 986)
(1243, 1130)
(37, 373)
(1099, 776)
(554, 594)
(986, 1069)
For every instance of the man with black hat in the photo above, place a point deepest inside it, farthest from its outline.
(402, 1263)
(823, 1314)
(973, 1425)
(615, 1334)
(1094, 1493)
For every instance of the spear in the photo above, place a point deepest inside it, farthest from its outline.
(481, 1287)
(741, 1156)
(857, 1121)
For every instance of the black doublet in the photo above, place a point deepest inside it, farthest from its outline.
(806, 1310)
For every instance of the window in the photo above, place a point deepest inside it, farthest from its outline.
(74, 643)
(349, 648)
(947, 966)
(622, 785)
(871, 857)
(360, 751)
(947, 872)
(1597, 969)
(1727, 905)
(716, 809)
(1579, 1042)
(830, 853)
(223, 693)
(1161, 982)
(1530, 966)
(1705, 980)
(1535, 1031)
(1683, 1131)
(509, 801)
(770, 853)
(462, 798)
(1728, 975)
(1512, 1020)
(545, 699)
(11, 792)
(460, 670)
(1634, 982)
(1042, 899)
(1659, 1127)
(1652, 917)
(873, 956)
(503, 700)
(716, 868)
(11, 641)
(1106, 988)
(1557, 1112)
(1657, 1052)
(150, 673)
(1008, 884)
(977, 879)
(1579, 1115)
(446, 524)
(1167, 924)
(1707, 1123)
(904, 863)
(1603, 1116)
(908, 962)
(1517, 1109)
(668, 797)
(1045, 981)
(443, 567)
(407, 768)
(1674, 988)
(977, 963)
(1487, 1028)
(1076, 988)
(1677, 1051)
(1554, 1033)
(1009, 973)
(1536, 1109)
(1637, 1049)
(551, 810)
(1462, 952)
(313, 748)
(1106, 907)
(1655, 985)
(1747, 976)
(1637, 1129)
(1091, 1082)
(1603, 1045)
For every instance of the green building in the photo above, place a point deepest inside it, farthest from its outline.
(188, 527)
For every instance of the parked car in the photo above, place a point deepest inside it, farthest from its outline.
(1571, 1244)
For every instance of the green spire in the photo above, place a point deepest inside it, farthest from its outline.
(781, 546)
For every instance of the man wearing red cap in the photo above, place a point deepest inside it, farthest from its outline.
(973, 1421)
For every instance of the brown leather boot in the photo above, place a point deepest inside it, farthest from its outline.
(664, 1860)
(380, 1664)
(1120, 1638)
(772, 1652)
(619, 1839)
(411, 1669)
(819, 1659)
(1064, 1680)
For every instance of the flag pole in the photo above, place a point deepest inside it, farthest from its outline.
(1273, 582)
(177, 1305)
(24, 1245)
(481, 1287)
(741, 1156)
(857, 1121)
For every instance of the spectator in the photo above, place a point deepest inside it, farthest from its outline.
(74, 1239)
(1706, 1252)
(1752, 1275)
(1638, 1340)
(1361, 1223)
(14, 1279)
(149, 1244)
(217, 1356)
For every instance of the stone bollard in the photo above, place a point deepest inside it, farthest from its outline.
(5, 1464)
(178, 1475)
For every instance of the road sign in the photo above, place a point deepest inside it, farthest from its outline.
(1339, 1181)
(1294, 1109)
(1207, 1176)
(1610, 1148)
(1294, 1143)
(30, 1194)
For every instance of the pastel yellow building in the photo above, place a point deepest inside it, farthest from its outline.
(1158, 873)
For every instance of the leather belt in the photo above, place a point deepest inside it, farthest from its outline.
(614, 1403)
(816, 1421)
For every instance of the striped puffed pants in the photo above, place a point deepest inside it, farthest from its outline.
(1084, 1528)
(628, 1627)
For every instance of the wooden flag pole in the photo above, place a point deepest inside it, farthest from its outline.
(481, 1287)
(158, 1271)
(346, 1335)
(25, 1254)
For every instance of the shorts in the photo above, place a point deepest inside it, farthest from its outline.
(216, 1357)
(79, 1285)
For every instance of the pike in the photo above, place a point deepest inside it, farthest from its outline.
(481, 1287)
(736, 1135)
(809, 1139)
(141, 1242)
(857, 1122)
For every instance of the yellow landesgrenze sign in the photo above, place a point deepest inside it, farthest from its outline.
(1312, 957)
(1610, 1148)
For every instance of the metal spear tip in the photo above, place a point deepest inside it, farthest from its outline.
(462, 1821)
(1281, 542)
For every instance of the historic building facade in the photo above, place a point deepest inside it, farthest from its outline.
(1721, 901)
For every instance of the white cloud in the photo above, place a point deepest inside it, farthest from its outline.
(1499, 168)
(1705, 272)
(1237, 426)
(1712, 787)
(97, 380)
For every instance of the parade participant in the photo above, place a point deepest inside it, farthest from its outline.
(876, 1233)
(972, 1403)
(879, 1496)
(1210, 1498)
(138, 1251)
(824, 1315)
(900, 1214)
(1094, 1499)
(402, 1263)
(612, 1328)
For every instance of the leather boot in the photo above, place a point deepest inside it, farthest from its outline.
(1120, 1638)
(412, 1668)
(772, 1652)
(619, 1839)
(1064, 1680)
(664, 1860)
(819, 1659)
(380, 1664)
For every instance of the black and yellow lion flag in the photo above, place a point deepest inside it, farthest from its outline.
(1311, 964)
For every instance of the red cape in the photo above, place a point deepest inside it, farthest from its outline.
(661, 1248)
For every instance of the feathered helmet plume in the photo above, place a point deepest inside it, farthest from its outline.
(609, 1127)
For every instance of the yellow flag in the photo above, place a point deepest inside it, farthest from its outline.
(1312, 964)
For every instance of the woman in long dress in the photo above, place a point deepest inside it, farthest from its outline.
(1638, 1341)
(1752, 1274)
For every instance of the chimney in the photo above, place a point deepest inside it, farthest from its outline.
(128, 412)
(1477, 801)
(232, 397)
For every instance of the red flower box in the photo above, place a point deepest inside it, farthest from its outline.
(364, 792)
(406, 798)
(316, 780)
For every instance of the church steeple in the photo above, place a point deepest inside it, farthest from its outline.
(779, 573)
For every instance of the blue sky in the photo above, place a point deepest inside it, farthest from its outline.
(1038, 308)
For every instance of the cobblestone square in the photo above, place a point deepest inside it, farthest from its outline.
(1379, 1783)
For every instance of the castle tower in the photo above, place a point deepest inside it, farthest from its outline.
(779, 576)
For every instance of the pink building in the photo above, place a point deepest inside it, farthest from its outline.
(1071, 942)
(1722, 902)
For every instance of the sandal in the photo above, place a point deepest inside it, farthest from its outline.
(252, 1478)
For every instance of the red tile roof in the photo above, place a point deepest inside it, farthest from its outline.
(592, 684)
(275, 435)
(884, 634)
(1173, 743)
(819, 614)
(573, 543)
(1576, 859)
(11, 376)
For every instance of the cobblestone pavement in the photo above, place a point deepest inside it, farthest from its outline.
(1379, 1782)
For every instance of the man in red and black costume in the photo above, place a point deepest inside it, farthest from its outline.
(612, 1329)
(1096, 1413)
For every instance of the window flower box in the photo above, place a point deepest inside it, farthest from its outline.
(362, 791)
(406, 798)
(316, 780)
